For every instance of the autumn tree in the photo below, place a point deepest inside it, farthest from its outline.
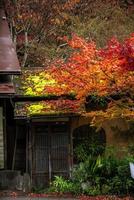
(33, 23)
(85, 69)
(37, 25)
(106, 73)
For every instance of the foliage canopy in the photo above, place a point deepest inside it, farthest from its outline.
(82, 68)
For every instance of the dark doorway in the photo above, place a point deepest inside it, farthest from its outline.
(87, 141)
(50, 153)
(16, 132)
(19, 154)
(16, 146)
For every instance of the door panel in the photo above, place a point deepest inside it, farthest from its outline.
(59, 152)
(51, 151)
(41, 149)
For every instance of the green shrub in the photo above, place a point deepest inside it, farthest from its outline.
(99, 175)
(104, 175)
(62, 185)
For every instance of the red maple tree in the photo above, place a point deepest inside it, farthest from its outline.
(104, 73)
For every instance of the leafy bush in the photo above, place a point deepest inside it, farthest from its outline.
(62, 186)
(101, 175)
(104, 175)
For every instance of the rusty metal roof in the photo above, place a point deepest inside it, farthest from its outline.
(6, 85)
(9, 63)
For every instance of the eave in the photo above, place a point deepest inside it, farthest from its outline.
(9, 63)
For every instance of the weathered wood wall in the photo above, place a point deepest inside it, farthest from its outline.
(1, 140)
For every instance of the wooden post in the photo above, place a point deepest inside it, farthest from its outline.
(49, 156)
(1, 139)
(71, 148)
(27, 147)
(30, 144)
(50, 168)
(15, 146)
(5, 135)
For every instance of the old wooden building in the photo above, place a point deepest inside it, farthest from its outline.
(9, 66)
(43, 129)
(39, 130)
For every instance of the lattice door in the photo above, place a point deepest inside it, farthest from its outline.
(50, 152)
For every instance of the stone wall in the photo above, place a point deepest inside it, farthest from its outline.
(13, 180)
(8, 179)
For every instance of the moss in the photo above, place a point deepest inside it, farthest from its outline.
(48, 107)
(39, 82)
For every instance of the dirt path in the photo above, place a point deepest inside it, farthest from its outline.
(36, 198)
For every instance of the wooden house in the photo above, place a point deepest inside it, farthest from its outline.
(47, 128)
(39, 130)
(9, 66)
